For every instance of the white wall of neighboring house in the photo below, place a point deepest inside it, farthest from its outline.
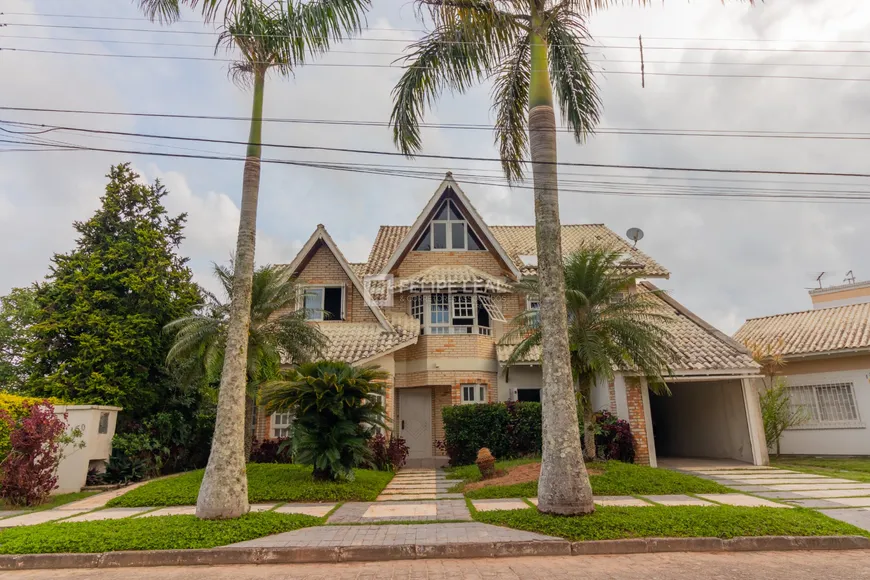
(817, 439)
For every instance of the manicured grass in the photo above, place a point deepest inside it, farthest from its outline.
(53, 501)
(266, 482)
(155, 533)
(854, 468)
(618, 479)
(611, 523)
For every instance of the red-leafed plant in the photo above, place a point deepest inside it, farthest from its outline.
(29, 473)
(387, 454)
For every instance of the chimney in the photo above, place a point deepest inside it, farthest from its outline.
(842, 295)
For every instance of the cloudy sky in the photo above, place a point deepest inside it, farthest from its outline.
(730, 258)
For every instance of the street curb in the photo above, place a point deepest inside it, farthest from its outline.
(230, 556)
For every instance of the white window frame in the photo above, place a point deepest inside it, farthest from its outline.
(477, 392)
(440, 327)
(456, 309)
(820, 403)
(316, 315)
(533, 303)
(281, 429)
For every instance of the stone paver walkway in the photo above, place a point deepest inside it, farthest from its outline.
(737, 499)
(426, 511)
(838, 498)
(394, 535)
(417, 484)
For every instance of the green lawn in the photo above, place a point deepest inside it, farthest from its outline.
(266, 482)
(52, 502)
(857, 469)
(618, 479)
(154, 533)
(611, 523)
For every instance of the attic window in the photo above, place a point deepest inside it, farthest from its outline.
(324, 302)
(448, 231)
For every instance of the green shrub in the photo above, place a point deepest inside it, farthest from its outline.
(17, 407)
(266, 482)
(155, 533)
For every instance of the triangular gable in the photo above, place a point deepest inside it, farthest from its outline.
(473, 218)
(321, 236)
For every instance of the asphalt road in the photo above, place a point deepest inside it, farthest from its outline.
(733, 566)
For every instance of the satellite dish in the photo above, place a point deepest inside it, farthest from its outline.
(635, 234)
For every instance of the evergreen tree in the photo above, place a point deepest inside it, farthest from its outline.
(16, 315)
(97, 332)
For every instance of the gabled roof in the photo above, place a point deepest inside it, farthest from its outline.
(449, 187)
(322, 237)
(700, 348)
(453, 277)
(520, 241)
(360, 342)
(821, 331)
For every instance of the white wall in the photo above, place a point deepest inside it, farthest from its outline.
(526, 376)
(702, 419)
(815, 441)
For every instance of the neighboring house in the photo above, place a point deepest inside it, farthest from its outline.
(827, 354)
(440, 295)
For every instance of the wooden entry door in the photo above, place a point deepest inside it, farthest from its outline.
(415, 416)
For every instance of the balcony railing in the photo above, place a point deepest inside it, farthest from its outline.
(460, 329)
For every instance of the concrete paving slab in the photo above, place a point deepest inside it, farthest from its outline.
(820, 487)
(740, 499)
(732, 472)
(824, 481)
(676, 499)
(317, 510)
(856, 517)
(101, 499)
(406, 497)
(9, 513)
(407, 510)
(789, 476)
(620, 501)
(759, 489)
(184, 510)
(814, 503)
(852, 502)
(107, 514)
(824, 493)
(33, 518)
(780, 495)
(534, 500)
(489, 505)
(262, 507)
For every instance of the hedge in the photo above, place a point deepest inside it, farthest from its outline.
(15, 406)
(514, 430)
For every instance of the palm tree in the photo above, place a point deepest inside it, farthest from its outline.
(521, 44)
(277, 36)
(611, 324)
(336, 409)
(278, 332)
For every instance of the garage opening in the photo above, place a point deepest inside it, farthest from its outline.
(705, 419)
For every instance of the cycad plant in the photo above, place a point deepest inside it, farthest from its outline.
(278, 332)
(270, 36)
(336, 409)
(612, 324)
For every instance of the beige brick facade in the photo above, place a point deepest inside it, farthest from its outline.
(417, 261)
(637, 419)
(449, 345)
(441, 397)
(324, 268)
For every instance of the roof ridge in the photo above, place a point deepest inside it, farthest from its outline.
(807, 311)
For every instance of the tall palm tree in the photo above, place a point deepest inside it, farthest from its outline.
(276, 36)
(611, 324)
(278, 331)
(520, 43)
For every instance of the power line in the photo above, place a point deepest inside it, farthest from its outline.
(463, 158)
(728, 133)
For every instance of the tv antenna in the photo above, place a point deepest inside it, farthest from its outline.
(820, 277)
(635, 234)
(850, 277)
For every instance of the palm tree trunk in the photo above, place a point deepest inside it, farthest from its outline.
(249, 426)
(588, 422)
(224, 490)
(563, 487)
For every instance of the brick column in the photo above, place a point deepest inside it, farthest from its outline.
(637, 420)
(611, 390)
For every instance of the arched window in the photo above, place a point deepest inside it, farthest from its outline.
(448, 230)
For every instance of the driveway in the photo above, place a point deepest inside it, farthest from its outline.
(842, 499)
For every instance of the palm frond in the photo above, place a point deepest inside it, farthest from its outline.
(163, 11)
(510, 98)
(465, 48)
(572, 74)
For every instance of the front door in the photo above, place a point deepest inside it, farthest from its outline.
(415, 416)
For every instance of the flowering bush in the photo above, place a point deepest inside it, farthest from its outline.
(272, 451)
(613, 437)
(387, 455)
(29, 472)
(15, 407)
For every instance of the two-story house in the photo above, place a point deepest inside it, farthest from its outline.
(433, 299)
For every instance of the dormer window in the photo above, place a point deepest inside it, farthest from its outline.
(448, 231)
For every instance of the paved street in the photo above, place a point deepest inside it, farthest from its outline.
(737, 566)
